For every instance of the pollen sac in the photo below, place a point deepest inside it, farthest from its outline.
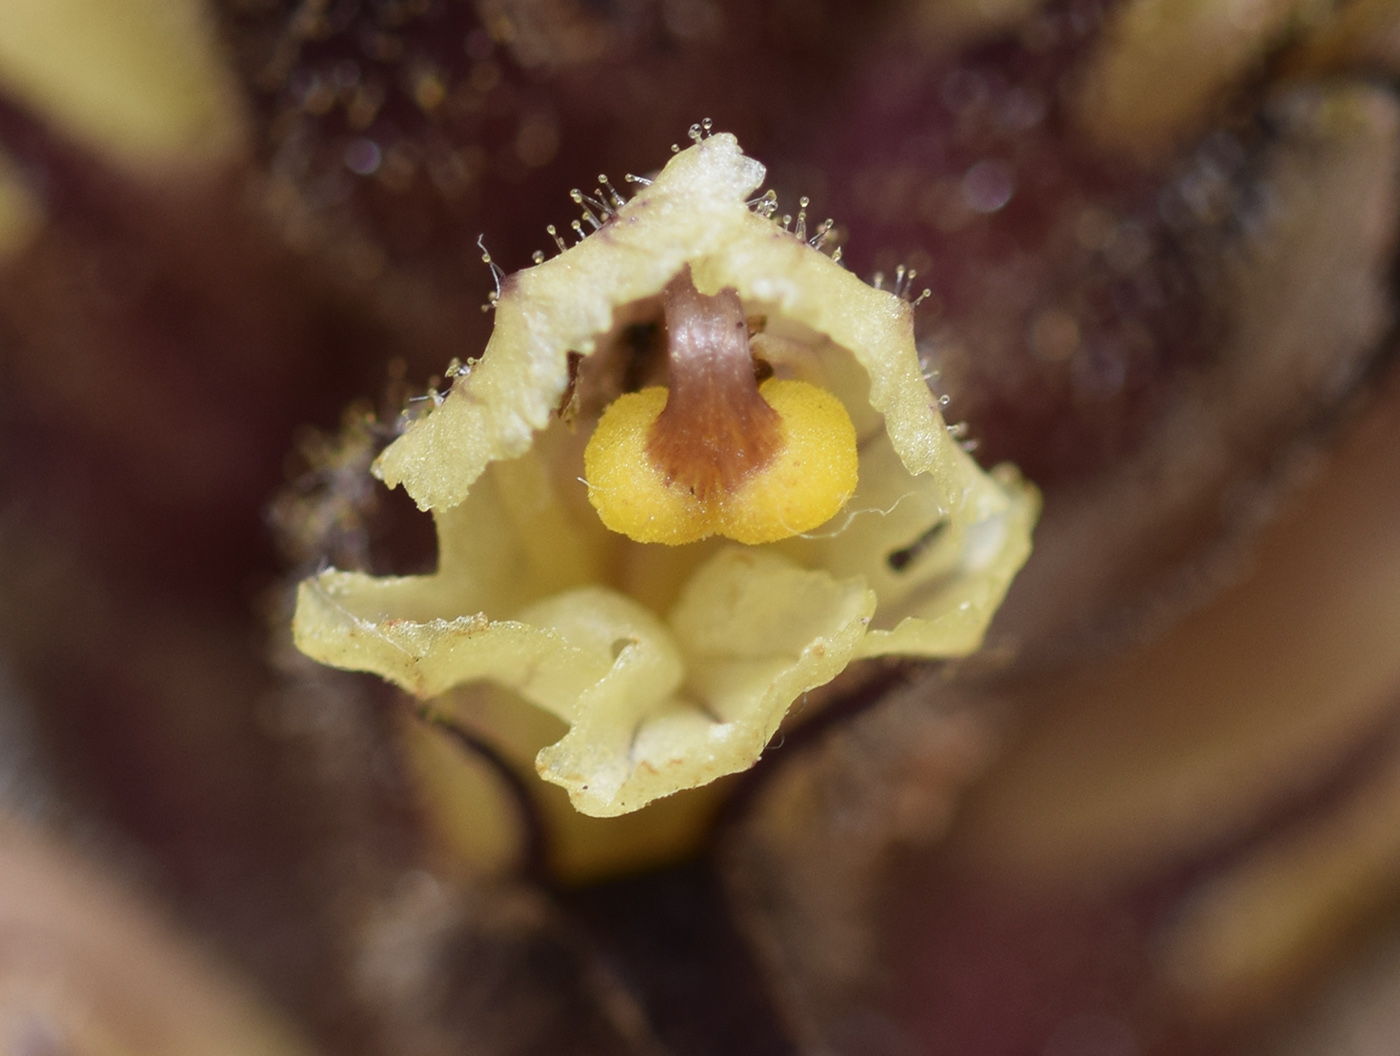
(715, 454)
(810, 478)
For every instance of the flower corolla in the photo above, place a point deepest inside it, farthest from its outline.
(673, 662)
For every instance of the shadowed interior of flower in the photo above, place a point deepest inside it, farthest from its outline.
(857, 526)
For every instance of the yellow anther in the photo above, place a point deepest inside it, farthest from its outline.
(809, 478)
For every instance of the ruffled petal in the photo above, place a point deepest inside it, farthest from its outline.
(756, 632)
(565, 305)
(939, 564)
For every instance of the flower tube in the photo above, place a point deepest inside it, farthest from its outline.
(696, 472)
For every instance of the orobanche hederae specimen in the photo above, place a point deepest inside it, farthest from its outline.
(695, 473)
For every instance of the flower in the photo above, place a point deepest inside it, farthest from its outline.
(673, 662)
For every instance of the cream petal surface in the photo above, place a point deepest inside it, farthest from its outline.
(756, 632)
(751, 633)
(564, 305)
(940, 565)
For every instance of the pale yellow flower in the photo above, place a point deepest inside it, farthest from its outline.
(674, 665)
